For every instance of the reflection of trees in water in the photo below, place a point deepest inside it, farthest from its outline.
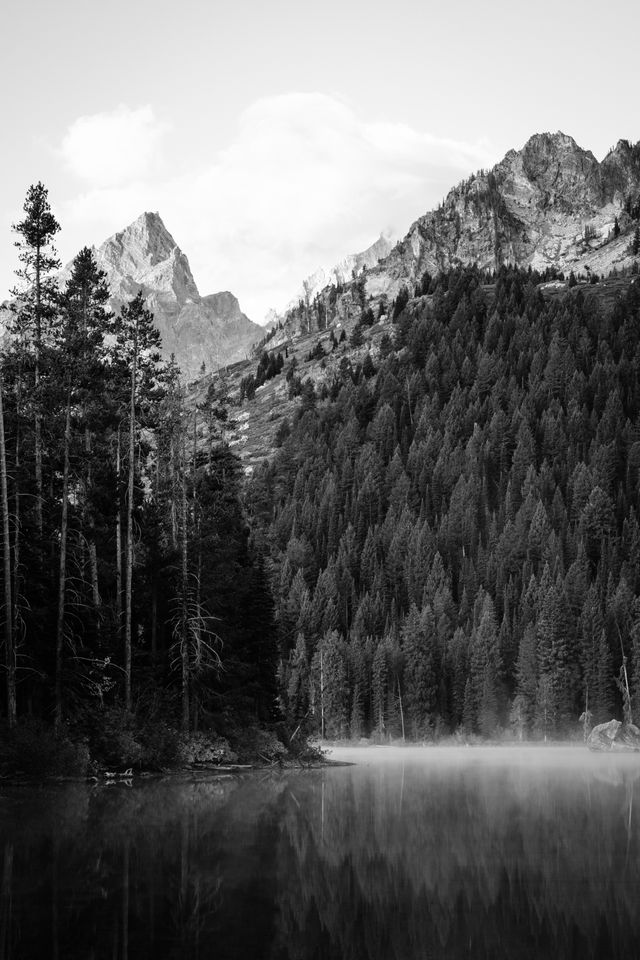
(130, 873)
(512, 863)
(6, 902)
(351, 863)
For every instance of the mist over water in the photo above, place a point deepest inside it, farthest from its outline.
(529, 852)
(568, 757)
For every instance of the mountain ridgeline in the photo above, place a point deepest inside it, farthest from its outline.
(549, 206)
(452, 515)
(438, 526)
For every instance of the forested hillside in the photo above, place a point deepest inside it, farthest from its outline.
(134, 606)
(449, 523)
(454, 535)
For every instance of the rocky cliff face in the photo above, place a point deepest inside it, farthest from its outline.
(550, 204)
(210, 329)
(341, 273)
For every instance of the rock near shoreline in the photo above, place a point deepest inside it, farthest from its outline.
(614, 736)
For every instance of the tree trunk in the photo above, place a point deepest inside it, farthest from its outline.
(89, 522)
(184, 640)
(93, 565)
(154, 618)
(129, 559)
(38, 415)
(401, 710)
(627, 713)
(173, 484)
(198, 546)
(9, 641)
(16, 517)
(118, 542)
(62, 581)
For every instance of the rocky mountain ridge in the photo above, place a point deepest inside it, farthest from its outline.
(339, 274)
(343, 271)
(550, 205)
(196, 329)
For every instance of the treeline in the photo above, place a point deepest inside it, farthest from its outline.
(132, 597)
(455, 537)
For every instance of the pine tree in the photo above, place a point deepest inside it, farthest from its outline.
(298, 682)
(418, 639)
(138, 349)
(80, 374)
(485, 665)
(85, 321)
(379, 687)
(37, 303)
(9, 632)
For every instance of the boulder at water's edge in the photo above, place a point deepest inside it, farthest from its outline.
(614, 736)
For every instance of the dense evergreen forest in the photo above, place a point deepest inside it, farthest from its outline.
(454, 535)
(134, 607)
(446, 538)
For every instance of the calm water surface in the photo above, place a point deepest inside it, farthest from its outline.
(464, 853)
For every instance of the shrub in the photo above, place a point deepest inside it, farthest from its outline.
(201, 748)
(35, 750)
(114, 742)
(160, 745)
(251, 743)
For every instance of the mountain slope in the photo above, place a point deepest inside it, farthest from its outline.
(452, 521)
(210, 329)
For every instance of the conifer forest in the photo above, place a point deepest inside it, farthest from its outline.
(134, 606)
(445, 541)
(454, 530)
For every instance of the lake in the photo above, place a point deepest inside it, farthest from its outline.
(411, 853)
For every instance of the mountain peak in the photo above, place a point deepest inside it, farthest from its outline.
(145, 257)
(547, 205)
(143, 244)
(145, 254)
(551, 141)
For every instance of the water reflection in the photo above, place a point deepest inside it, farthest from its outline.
(450, 856)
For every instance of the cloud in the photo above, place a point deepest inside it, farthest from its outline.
(304, 182)
(107, 149)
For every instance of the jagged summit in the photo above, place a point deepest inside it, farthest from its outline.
(555, 162)
(146, 241)
(146, 253)
(210, 329)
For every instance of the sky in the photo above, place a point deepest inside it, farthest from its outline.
(275, 138)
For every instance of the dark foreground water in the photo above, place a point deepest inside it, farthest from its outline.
(417, 854)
